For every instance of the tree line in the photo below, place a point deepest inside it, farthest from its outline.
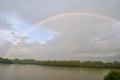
(71, 63)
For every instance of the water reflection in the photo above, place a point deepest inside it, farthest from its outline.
(37, 72)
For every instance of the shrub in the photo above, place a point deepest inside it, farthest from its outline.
(113, 75)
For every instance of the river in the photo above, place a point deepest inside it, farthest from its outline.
(38, 72)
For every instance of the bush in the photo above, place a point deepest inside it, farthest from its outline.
(113, 75)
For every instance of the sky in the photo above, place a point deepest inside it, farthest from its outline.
(88, 31)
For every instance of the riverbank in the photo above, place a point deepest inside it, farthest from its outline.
(87, 64)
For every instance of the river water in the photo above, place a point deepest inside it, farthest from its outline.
(38, 72)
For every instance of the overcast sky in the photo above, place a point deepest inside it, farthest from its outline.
(70, 37)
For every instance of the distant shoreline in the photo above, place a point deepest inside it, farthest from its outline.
(63, 63)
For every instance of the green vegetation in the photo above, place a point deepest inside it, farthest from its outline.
(7, 61)
(113, 75)
(90, 64)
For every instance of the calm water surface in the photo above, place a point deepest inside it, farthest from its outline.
(37, 72)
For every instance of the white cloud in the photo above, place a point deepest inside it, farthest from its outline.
(73, 35)
(12, 25)
(81, 37)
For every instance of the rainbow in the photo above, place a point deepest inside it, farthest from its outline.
(55, 17)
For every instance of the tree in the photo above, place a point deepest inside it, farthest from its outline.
(113, 75)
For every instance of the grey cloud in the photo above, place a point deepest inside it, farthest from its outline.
(4, 46)
(76, 35)
(97, 38)
(12, 26)
(12, 21)
(43, 9)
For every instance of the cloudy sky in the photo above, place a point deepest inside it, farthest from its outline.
(83, 29)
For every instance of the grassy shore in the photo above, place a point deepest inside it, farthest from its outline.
(89, 64)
